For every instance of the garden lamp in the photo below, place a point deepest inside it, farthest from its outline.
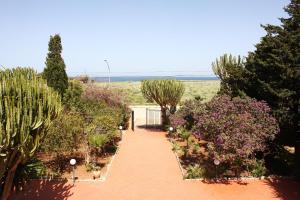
(216, 162)
(73, 163)
(171, 129)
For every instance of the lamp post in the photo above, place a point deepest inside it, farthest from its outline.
(216, 162)
(108, 71)
(121, 128)
(73, 163)
(171, 129)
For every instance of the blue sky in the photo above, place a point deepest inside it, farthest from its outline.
(153, 37)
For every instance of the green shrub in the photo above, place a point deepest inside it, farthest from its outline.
(185, 135)
(65, 135)
(195, 171)
(98, 140)
(32, 169)
(176, 148)
(258, 168)
(72, 96)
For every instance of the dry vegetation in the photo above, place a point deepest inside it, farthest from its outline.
(205, 89)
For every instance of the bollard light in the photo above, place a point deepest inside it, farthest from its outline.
(73, 163)
(171, 129)
(216, 162)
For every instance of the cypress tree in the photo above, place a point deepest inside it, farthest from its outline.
(272, 74)
(55, 72)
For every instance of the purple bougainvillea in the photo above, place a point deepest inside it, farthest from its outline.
(101, 94)
(234, 128)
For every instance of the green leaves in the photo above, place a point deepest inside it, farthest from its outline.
(66, 133)
(163, 92)
(55, 72)
(98, 140)
(166, 93)
(274, 73)
(229, 69)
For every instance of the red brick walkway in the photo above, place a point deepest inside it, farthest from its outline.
(146, 169)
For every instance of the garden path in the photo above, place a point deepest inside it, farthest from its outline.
(145, 168)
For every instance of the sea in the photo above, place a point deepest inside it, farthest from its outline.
(140, 78)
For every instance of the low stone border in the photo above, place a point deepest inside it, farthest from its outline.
(251, 178)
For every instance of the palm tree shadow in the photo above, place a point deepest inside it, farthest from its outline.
(46, 190)
(285, 189)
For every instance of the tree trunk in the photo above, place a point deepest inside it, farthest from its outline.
(9, 180)
(297, 143)
(297, 156)
(164, 117)
(88, 155)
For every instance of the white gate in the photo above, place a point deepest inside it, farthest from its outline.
(153, 117)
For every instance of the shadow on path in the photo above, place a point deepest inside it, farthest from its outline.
(42, 189)
(285, 189)
(150, 128)
(224, 181)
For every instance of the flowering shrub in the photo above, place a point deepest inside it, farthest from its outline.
(108, 102)
(185, 116)
(235, 129)
(102, 94)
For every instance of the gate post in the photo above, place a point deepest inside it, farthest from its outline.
(146, 117)
(132, 120)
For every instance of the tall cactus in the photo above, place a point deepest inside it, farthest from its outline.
(27, 107)
(166, 93)
(224, 67)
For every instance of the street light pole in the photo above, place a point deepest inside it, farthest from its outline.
(73, 163)
(121, 133)
(108, 71)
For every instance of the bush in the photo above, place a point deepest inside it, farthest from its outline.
(257, 168)
(101, 94)
(185, 116)
(65, 135)
(89, 124)
(33, 168)
(235, 129)
(195, 171)
(83, 78)
(72, 96)
(98, 100)
(98, 141)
